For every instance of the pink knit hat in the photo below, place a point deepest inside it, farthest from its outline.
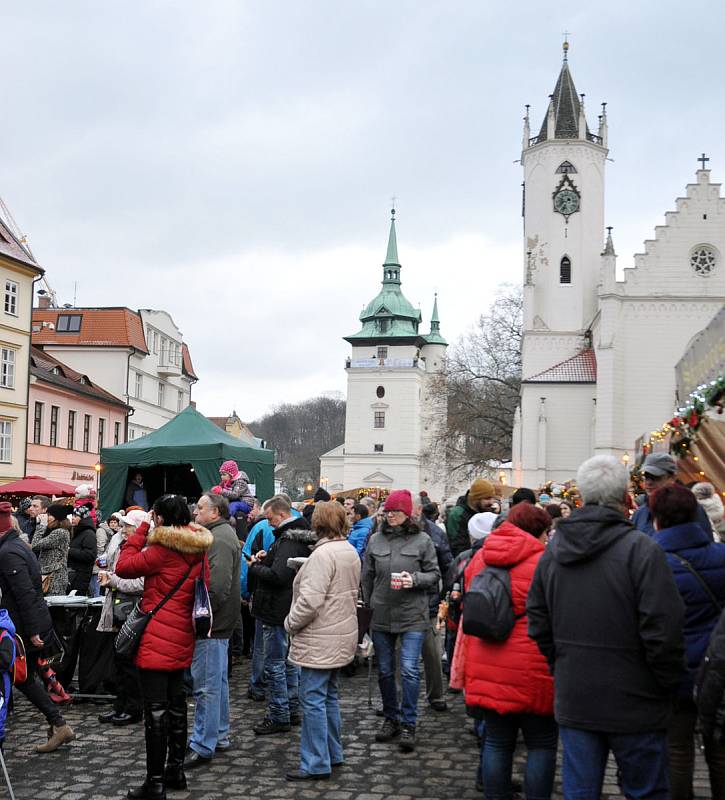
(230, 467)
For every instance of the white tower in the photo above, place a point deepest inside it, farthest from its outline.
(563, 230)
(390, 416)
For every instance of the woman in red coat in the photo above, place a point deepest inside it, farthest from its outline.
(510, 681)
(172, 554)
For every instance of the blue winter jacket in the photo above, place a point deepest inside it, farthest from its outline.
(264, 529)
(360, 534)
(707, 558)
(642, 520)
(7, 657)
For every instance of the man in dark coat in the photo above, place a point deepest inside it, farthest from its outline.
(271, 602)
(605, 611)
(22, 598)
(83, 550)
(478, 498)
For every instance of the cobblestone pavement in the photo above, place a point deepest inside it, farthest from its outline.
(103, 762)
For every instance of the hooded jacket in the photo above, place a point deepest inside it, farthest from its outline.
(162, 558)
(322, 621)
(509, 677)
(404, 548)
(690, 542)
(273, 579)
(22, 588)
(605, 611)
(51, 546)
(82, 555)
(360, 534)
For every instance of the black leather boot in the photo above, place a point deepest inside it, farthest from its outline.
(175, 777)
(155, 727)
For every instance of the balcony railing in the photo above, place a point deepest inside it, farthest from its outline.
(385, 363)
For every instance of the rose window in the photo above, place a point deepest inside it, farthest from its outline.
(703, 260)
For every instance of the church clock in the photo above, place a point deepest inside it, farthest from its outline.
(566, 198)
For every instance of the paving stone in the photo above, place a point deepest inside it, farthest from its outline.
(103, 761)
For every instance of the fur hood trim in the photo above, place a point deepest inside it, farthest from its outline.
(300, 535)
(190, 540)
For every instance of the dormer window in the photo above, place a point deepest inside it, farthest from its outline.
(68, 323)
(384, 325)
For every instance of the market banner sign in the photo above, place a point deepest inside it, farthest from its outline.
(704, 360)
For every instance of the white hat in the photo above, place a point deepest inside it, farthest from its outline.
(134, 517)
(479, 526)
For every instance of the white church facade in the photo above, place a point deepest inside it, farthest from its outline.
(392, 411)
(599, 353)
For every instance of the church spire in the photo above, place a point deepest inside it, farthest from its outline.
(609, 245)
(391, 257)
(565, 107)
(434, 337)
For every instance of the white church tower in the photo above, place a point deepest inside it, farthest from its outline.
(563, 226)
(391, 413)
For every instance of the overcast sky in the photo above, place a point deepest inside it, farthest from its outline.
(232, 162)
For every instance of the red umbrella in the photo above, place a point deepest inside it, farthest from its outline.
(34, 484)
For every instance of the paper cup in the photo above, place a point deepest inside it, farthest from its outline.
(396, 580)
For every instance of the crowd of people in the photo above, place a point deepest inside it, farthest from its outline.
(594, 627)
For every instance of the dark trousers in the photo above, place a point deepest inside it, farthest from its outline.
(128, 687)
(34, 690)
(160, 686)
(681, 751)
(641, 758)
(541, 737)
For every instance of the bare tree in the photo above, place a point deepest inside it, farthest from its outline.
(300, 433)
(481, 382)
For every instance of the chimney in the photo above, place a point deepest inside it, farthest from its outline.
(43, 301)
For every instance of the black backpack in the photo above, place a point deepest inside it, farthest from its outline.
(488, 609)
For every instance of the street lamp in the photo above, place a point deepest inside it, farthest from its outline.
(308, 488)
(625, 459)
(97, 468)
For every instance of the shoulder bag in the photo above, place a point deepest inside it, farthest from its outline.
(202, 617)
(129, 637)
(686, 564)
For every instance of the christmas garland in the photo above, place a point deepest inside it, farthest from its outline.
(687, 421)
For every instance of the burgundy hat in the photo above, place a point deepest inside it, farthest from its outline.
(400, 500)
(6, 511)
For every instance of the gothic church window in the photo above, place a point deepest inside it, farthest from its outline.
(565, 168)
(565, 270)
(703, 260)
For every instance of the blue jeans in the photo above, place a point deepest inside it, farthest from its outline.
(321, 741)
(256, 681)
(641, 758)
(541, 737)
(281, 676)
(94, 587)
(411, 644)
(211, 695)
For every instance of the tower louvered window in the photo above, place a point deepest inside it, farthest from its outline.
(565, 270)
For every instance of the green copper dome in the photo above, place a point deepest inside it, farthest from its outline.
(389, 314)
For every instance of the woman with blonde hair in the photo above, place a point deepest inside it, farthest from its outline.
(322, 624)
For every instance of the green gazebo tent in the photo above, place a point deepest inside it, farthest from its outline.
(183, 456)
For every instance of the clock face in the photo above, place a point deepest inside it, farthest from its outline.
(566, 202)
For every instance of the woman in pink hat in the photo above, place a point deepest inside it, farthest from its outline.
(400, 568)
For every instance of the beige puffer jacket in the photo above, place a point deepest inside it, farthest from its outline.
(322, 621)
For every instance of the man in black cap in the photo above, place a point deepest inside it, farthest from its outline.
(659, 470)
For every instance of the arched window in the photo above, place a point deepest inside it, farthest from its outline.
(565, 168)
(565, 270)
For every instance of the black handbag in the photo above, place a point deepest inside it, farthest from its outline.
(122, 605)
(129, 637)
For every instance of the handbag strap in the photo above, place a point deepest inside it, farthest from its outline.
(168, 595)
(686, 564)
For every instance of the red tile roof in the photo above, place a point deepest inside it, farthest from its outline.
(581, 368)
(187, 366)
(50, 370)
(100, 327)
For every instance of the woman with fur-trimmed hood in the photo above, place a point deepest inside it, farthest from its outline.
(51, 545)
(172, 552)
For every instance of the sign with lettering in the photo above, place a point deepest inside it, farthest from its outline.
(83, 476)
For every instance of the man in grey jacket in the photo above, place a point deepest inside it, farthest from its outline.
(209, 667)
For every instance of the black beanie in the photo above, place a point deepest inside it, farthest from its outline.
(321, 495)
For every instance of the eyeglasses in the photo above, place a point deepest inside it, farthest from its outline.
(393, 511)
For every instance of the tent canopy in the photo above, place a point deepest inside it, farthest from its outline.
(187, 439)
(34, 484)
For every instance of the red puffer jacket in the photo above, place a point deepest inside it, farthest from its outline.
(162, 559)
(511, 676)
